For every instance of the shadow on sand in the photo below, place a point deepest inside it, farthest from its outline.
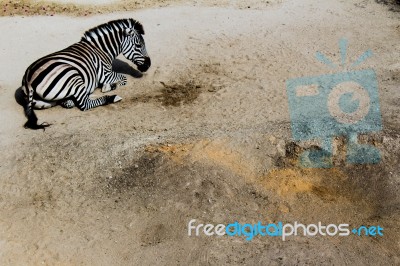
(19, 96)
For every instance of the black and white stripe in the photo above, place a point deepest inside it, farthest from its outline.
(69, 76)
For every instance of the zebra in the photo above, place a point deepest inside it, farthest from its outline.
(69, 76)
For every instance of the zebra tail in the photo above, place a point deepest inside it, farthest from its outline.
(30, 114)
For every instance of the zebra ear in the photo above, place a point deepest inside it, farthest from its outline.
(139, 27)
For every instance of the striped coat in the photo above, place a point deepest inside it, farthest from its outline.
(69, 76)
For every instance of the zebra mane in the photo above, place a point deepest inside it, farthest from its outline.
(112, 26)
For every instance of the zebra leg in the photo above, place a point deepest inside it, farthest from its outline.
(114, 81)
(67, 103)
(107, 87)
(86, 103)
(37, 104)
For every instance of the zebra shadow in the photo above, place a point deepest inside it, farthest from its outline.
(19, 96)
(122, 67)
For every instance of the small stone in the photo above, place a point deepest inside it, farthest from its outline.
(281, 148)
(283, 208)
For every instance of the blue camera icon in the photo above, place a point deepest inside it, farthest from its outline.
(341, 104)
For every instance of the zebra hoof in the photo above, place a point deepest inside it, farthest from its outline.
(106, 88)
(117, 99)
(113, 99)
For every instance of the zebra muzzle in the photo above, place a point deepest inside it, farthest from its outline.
(145, 66)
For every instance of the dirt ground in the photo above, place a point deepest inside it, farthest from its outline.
(205, 134)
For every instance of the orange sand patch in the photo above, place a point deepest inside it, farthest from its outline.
(286, 182)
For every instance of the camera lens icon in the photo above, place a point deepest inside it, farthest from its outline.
(340, 104)
(348, 102)
(334, 104)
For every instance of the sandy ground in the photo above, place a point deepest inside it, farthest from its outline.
(117, 185)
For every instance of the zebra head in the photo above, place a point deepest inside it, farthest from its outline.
(134, 48)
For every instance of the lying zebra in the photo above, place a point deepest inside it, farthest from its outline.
(69, 76)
